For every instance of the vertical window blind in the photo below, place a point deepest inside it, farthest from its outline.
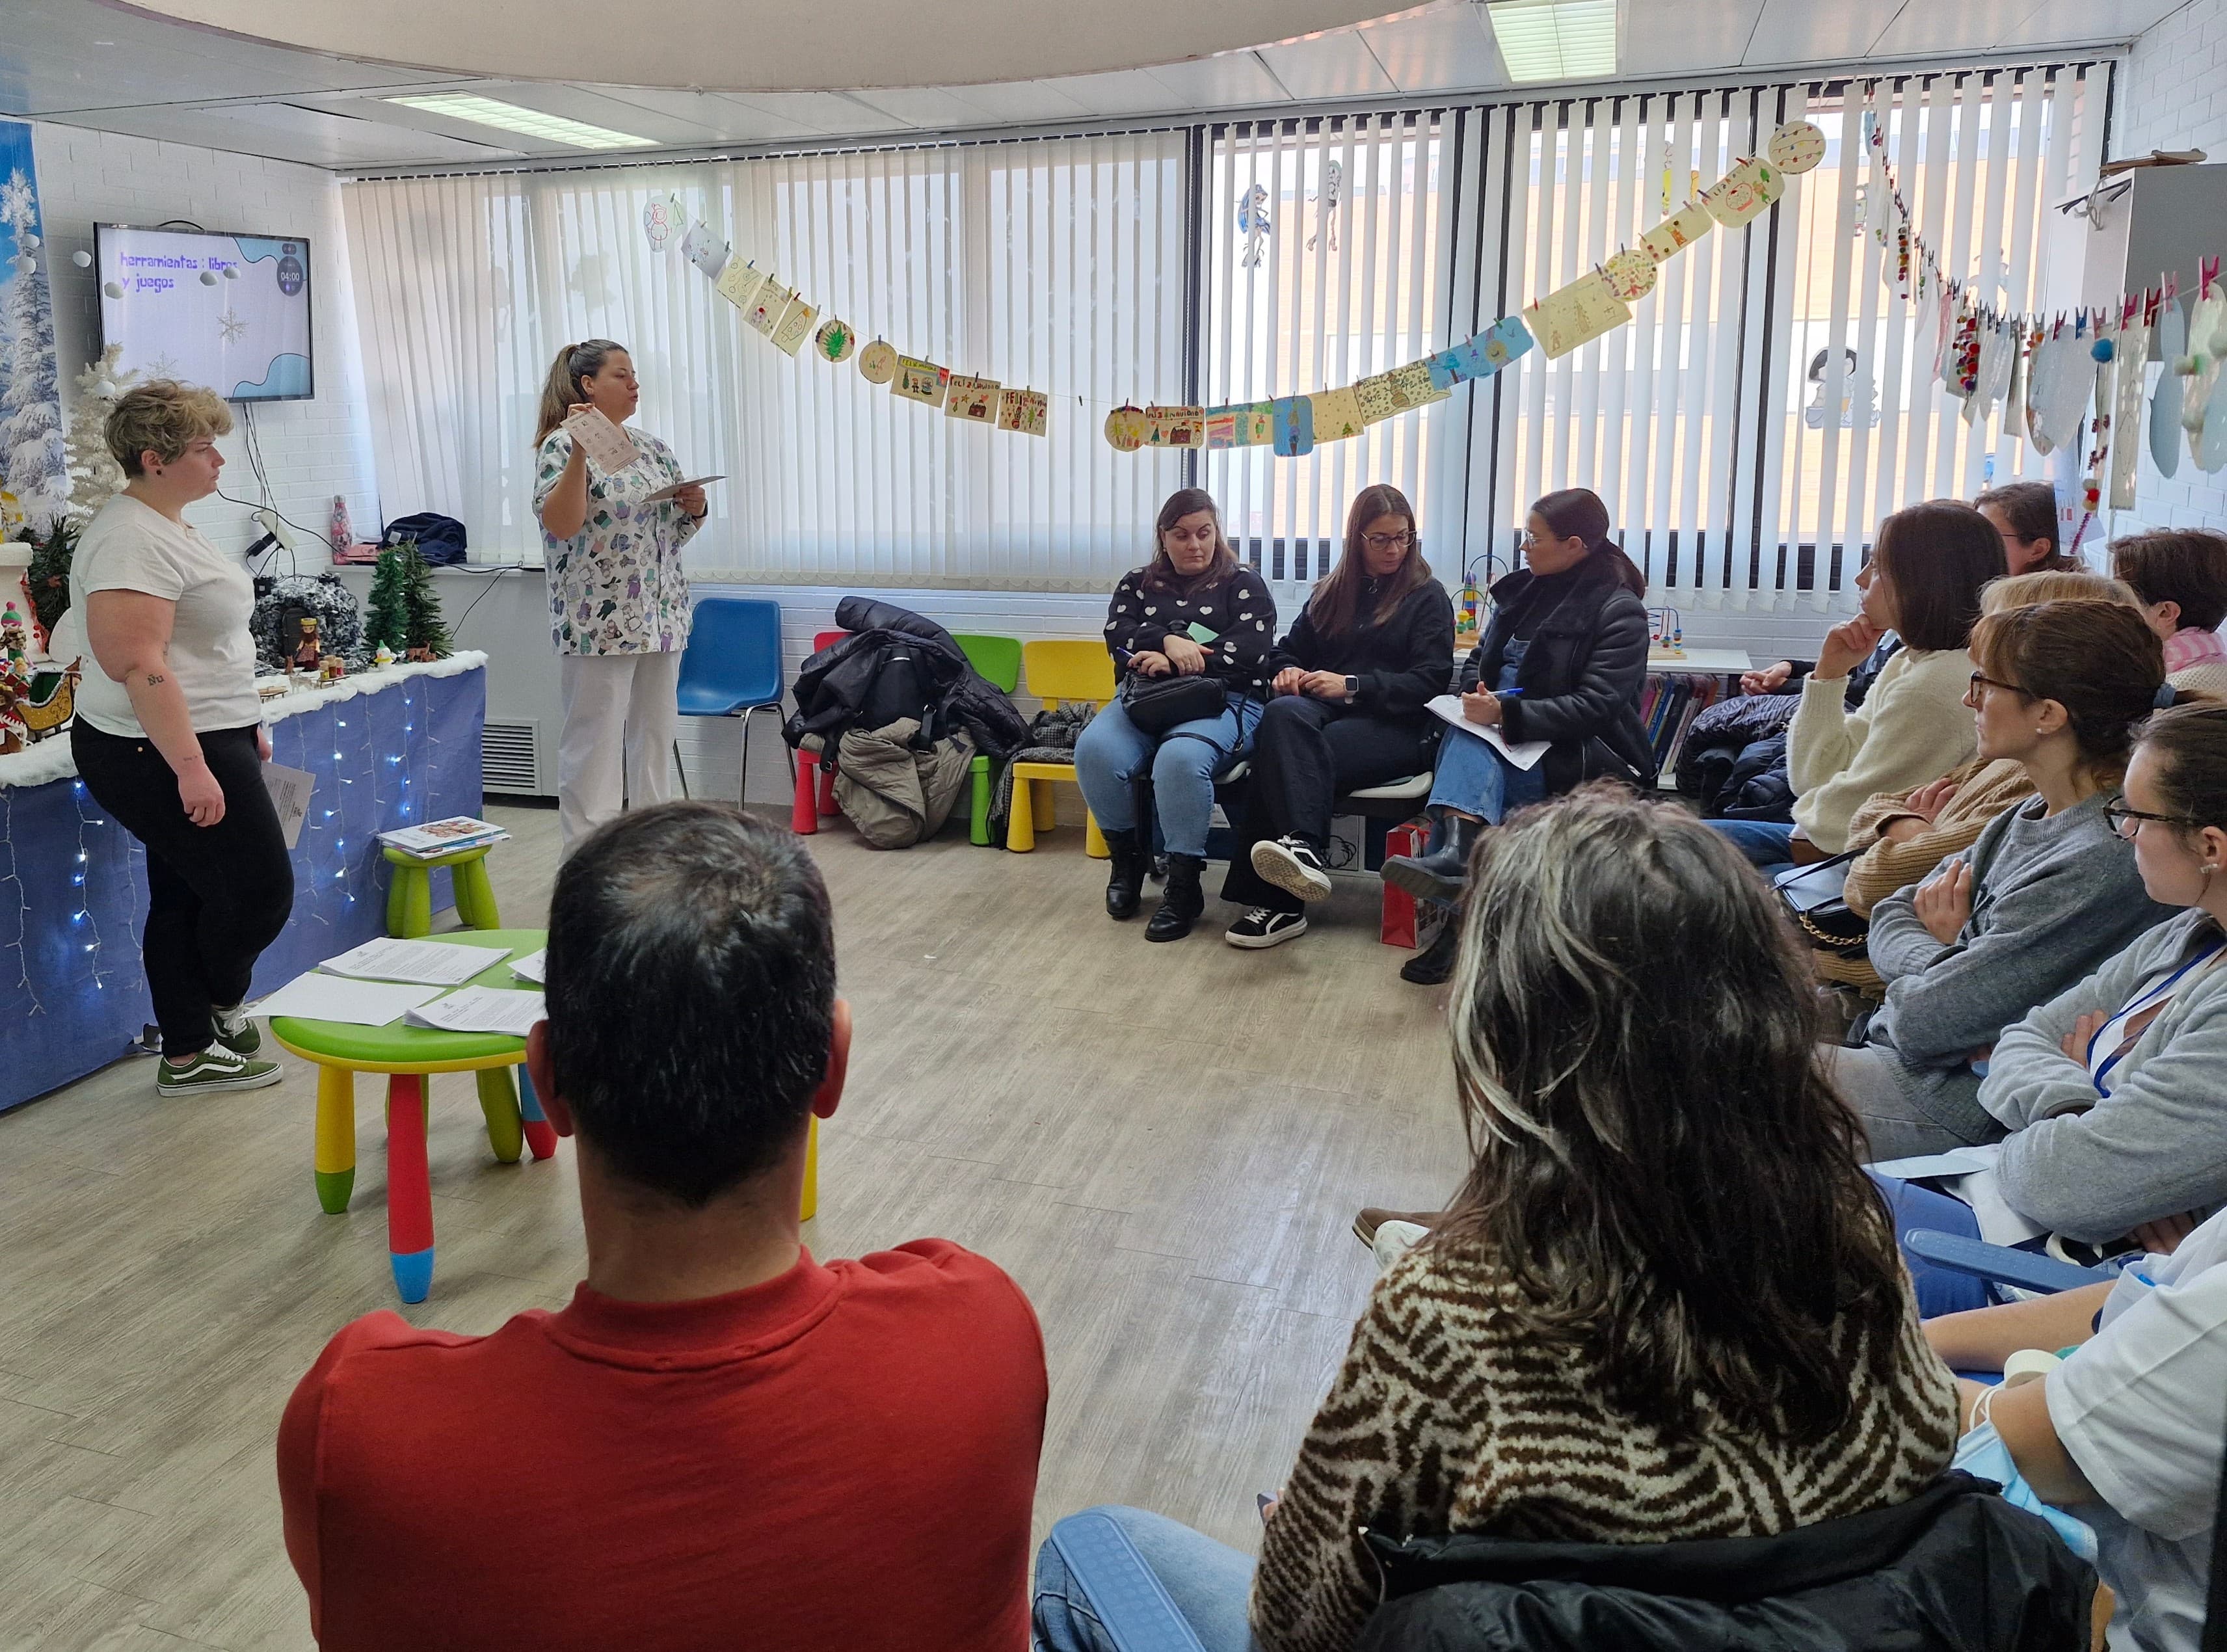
(1769, 400)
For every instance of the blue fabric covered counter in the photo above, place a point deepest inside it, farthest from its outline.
(390, 748)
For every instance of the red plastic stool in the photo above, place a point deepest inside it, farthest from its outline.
(815, 780)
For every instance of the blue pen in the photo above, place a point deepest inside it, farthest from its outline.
(1507, 693)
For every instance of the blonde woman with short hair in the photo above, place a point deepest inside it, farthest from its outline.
(169, 736)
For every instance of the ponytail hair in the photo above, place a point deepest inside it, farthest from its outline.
(560, 391)
(1578, 513)
(2100, 660)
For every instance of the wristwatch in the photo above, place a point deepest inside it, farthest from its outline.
(1353, 688)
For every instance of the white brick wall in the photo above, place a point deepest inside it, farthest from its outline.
(2171, 95)
(311, 449)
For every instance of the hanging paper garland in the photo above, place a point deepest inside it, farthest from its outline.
(1126, 427)
(1796, 147)
(1631, 274)
(834, 340)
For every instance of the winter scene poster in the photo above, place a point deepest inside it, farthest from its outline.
(32, 465)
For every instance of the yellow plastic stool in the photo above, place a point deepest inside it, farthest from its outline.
(1069, 672)
(808, 1207)
(410, 891)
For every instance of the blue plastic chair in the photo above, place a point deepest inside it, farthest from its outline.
(732, 668)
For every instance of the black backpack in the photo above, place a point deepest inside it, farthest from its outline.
(440, 538)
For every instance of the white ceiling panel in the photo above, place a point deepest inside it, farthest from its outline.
(1234, 80)
(923, 108)
(830, 113)
(728, 120)
(1804, 31)
(600, 109)
(1438, 51)
(1336, 65)
(1929, 29)
(1020, 102)
(2055, 20)
(1130, 91)
(284, 132)
(1656, 40)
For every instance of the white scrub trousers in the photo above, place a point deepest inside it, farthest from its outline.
(620, 716)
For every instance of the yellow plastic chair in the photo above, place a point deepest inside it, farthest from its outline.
(1058, 673)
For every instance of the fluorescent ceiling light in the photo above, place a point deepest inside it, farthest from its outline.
(530, 123)
(1556, 40)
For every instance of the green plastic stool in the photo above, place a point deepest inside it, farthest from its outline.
(410, 891)
(998, 660)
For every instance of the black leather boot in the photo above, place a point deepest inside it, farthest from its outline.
(1125, 874)
(1432, 965)
(1443, 874)
(1181, 903)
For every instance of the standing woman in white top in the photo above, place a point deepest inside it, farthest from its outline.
(618, 600)
(169, 736)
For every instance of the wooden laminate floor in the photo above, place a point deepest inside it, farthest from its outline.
(1163, 1144)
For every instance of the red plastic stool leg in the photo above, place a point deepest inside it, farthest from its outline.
(540, 1135)
(803, 819)
(409, 1188)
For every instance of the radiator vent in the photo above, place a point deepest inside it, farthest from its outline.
(508, 760)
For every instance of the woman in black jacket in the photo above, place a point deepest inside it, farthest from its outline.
(1566, 655)
(1371, 649)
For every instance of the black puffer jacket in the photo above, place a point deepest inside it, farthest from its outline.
(1404, 662)
(1956, 1569)
(1582, 677)
(893, 663)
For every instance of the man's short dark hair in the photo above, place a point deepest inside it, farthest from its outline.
(691, 995)
(2183, 565)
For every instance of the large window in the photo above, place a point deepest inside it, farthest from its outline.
(1771, 399)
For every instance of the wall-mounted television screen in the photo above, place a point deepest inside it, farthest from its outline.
(243, 332)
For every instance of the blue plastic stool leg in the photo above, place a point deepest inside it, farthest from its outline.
(413, 1273)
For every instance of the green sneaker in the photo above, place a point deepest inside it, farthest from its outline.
(214, 1069)
(236, 1032)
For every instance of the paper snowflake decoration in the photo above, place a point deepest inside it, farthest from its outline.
(162, 366)
(232, 327)
(19, 208)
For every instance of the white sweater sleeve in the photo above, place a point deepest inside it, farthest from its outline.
(1914, 728)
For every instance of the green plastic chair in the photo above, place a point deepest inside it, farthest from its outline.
(999, 661)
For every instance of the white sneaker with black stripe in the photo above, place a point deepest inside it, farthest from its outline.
(1265, 926)
(1292, 866)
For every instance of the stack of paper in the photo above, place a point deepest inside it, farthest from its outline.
(437, 837)
(532, 967)
(481, 1009)
(431, 963)
(316, 997)
(1448, 709)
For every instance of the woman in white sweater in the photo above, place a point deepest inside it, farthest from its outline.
(1923, 583)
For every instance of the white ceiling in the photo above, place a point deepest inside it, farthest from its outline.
(81, 62)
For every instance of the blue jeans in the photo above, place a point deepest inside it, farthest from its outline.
(1183, 761)
(1937, 1290)
(1768, 844)
(1476, 780)
(1210, 1583)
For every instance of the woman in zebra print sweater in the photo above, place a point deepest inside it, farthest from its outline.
(1667, 1302)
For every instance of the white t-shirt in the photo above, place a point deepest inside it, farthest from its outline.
(2142, 1409)
(131, 547)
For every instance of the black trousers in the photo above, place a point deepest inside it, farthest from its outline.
(216, 895)
(1304, 752)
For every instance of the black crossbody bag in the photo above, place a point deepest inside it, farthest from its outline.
(1155, 704)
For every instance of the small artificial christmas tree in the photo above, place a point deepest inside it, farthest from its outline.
(386, 619)
(48, 575)
(421, 606)
(95, 476)
(31, 453)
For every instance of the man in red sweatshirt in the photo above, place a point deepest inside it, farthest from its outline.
(721, 1442)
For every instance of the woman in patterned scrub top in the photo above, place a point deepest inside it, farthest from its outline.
(618, 600)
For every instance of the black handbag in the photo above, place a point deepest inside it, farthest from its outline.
(1155, 704)
(1813, 897)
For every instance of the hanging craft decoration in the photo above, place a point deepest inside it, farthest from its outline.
(1251, 425)
(2172, 385)
(921, 381)
(765, 312)
(1796, 147)
(1378, 398)
(1631, 274)
(1253, 224)
(972, 399)
(1026, 413)
(706, 251)
(1333, 177)
(1575, 314)
(740, 284)
(1125, 428)
(1677, 233)
(1744, 193)
(834, 340)
(1295, 426)
(1175, 427)
(660, 215)
(795, 326)
(878, 362)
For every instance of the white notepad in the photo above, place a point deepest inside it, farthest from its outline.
(1448, 708)
(316, 997)
(481, 1009)
(430, 963)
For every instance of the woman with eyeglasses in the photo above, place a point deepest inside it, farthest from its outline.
(1194, 610)
(2046, 893)
(2023, 516)
(2111, 1091)
(1566, 657)
(1374, 645)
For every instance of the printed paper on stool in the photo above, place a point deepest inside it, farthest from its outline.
(314, 996)
(481, 1009)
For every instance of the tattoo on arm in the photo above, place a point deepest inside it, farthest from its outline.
(154, 677)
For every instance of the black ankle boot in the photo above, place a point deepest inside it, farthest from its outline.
(1126, 874)
(1181, 903)
(1432, 965)
(1443, 874)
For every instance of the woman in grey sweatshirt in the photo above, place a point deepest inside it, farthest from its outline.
(2047, 893)
(2113, 1092)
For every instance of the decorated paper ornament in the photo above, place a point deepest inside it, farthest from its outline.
(1796, 147)
(1126, 428)
(834, 340)
(82, 258)
(1631, 274)
(659, 218)
(878, 362)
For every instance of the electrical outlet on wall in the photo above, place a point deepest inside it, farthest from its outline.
(267, 519)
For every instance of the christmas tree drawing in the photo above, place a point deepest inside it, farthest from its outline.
(33, 460)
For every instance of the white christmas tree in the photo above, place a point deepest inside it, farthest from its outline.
(95, 476)
(32, 457)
